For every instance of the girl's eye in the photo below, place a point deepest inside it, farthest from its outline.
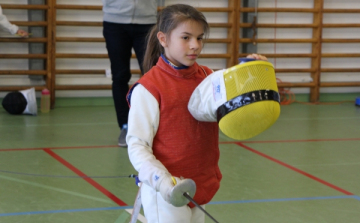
(199, 38)
(185, 37)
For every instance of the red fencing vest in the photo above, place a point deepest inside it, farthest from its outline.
(187, 148)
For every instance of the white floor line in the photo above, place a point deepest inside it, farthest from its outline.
(141, 218)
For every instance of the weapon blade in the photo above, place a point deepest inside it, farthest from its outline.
(201, 208)
(137, 207)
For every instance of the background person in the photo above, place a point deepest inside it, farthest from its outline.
(126, 25)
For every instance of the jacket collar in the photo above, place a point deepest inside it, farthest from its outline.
(184, 71)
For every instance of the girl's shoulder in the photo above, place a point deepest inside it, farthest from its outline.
(206, 69)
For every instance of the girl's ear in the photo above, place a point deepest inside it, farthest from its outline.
(162, 38)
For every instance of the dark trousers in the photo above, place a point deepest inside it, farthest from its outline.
(120, 39)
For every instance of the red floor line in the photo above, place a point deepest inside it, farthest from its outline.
(228, 142)
(89, 180)
(64, 147)
(296, 170)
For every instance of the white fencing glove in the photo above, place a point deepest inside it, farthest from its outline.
(154, 174)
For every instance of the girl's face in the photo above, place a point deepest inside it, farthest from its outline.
(184, 44)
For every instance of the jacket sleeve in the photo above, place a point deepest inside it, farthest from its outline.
(6, 25)
(143, 123)
(207, 97)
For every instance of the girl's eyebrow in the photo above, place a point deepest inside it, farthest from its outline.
(190, 34)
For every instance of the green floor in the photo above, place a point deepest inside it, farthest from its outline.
(304, 169)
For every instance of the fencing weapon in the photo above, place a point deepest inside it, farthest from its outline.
(137, 206)
(185, 190)
(190, 186)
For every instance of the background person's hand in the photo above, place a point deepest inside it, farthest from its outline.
(257, 56)
(22, 33)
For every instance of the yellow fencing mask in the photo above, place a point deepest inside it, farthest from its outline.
(243, 99)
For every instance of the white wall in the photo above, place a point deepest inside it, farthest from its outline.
(99, 48)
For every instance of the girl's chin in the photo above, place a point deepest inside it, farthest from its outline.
(189, 63)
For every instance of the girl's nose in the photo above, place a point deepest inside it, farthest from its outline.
(195, 44)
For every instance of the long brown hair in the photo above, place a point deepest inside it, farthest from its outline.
(167, 20)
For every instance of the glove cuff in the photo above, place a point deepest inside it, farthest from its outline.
(152, 172)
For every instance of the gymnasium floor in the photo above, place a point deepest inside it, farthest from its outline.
(304, 169)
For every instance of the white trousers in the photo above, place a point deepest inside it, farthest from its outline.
(157, 210)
